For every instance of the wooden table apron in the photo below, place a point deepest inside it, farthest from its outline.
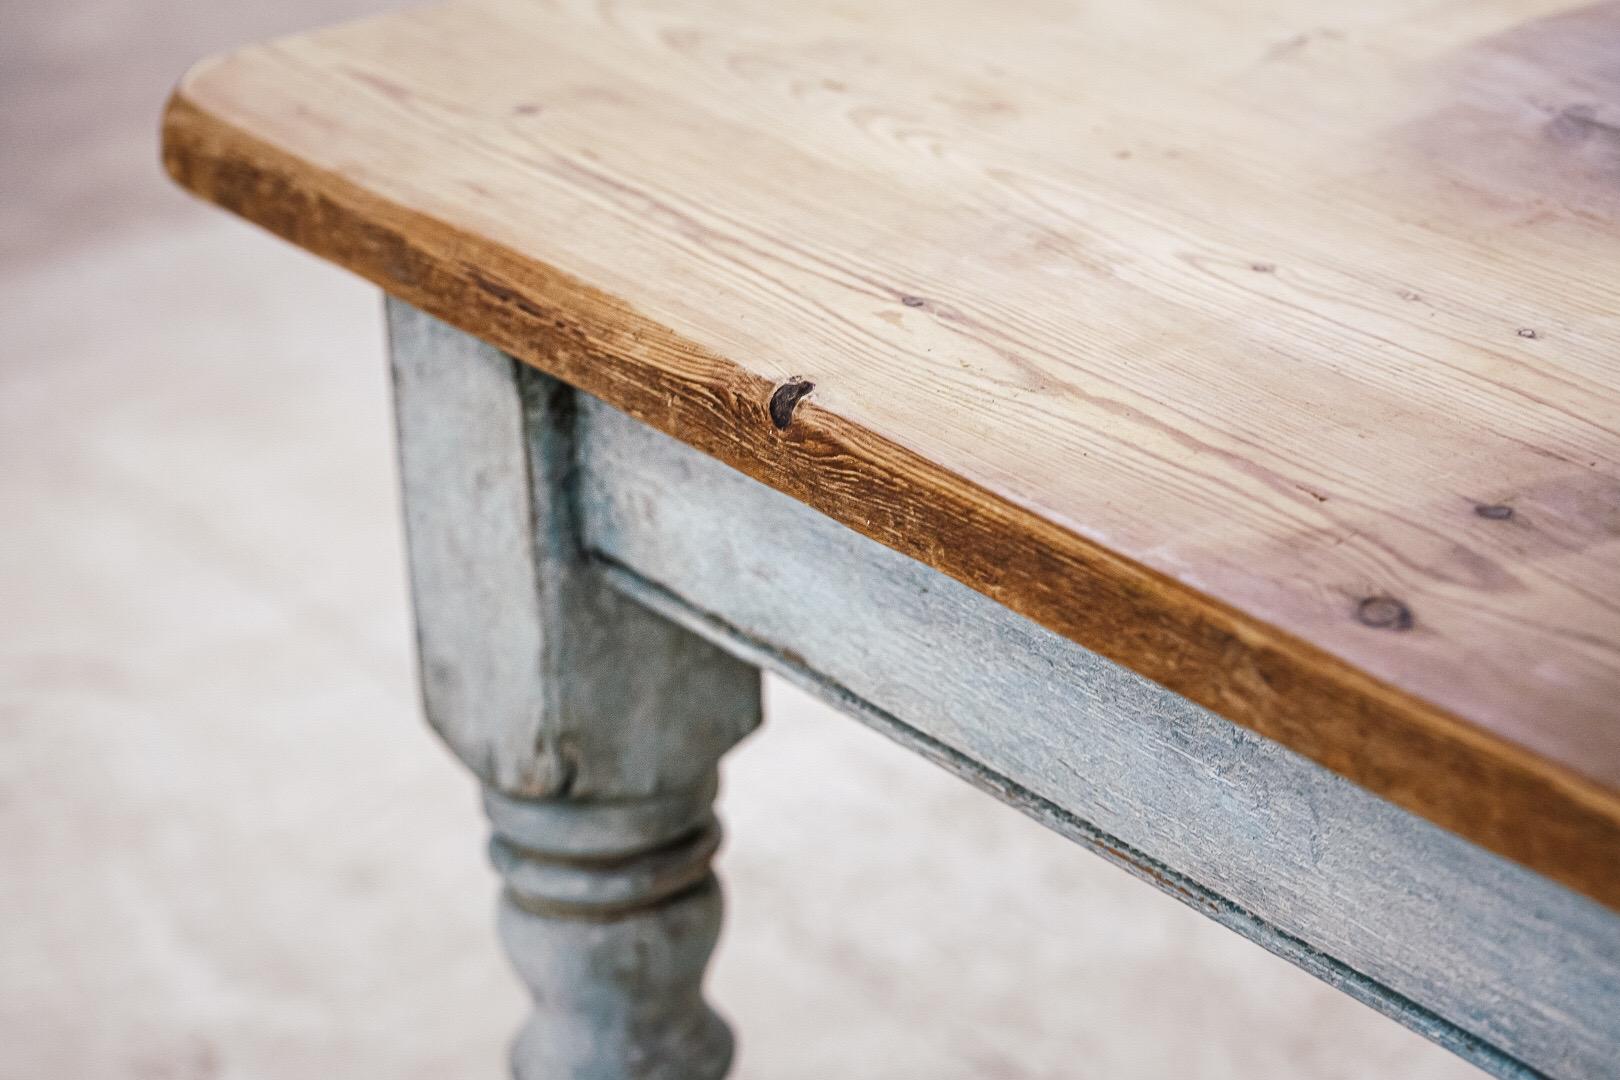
(518, 488)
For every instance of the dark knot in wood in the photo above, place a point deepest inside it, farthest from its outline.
(1384, 613)
(786, 398)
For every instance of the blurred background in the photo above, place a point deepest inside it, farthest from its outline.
(228, 846)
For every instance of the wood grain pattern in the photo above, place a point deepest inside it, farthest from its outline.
(1496, 963)
(1269, 352)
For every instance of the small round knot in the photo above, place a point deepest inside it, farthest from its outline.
(1494, 511)
(1384, 613)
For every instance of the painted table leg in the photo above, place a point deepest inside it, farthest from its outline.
(594, 725)
(610, 914)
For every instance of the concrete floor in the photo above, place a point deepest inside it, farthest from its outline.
(229, 849)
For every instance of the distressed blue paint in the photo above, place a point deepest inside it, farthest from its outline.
(594, 723)
(1490, 960)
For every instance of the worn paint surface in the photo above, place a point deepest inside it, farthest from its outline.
(1491, 960)
(612, 935)
(544, 682)
(594, 723)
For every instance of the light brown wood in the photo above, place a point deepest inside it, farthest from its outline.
(1272, 351)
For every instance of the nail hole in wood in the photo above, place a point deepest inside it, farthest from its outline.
(1527, 332)
(1384, 613)
(1494, 511)
(912, 301)
(786, 398)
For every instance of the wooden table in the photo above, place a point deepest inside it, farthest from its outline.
(1197, 425)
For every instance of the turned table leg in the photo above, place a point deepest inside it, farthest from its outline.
(594, 725)
(610, 913)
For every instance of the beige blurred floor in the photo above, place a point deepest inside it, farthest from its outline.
(228, 849)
